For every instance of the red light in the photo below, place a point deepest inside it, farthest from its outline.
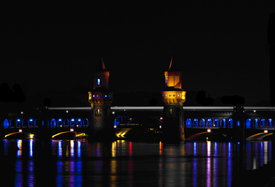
(130, 119)
(161, 118)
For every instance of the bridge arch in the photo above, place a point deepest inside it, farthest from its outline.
(6, 124)
(248, 123)
(195, 123)
(209, 123)
(66, 123)
(188, 123)
(53, 123)
(216, 123)
(85, 123)
(230, 123)
(202, 123)
(18, 123)
(269, 123)
(72, 123)
(223, 123)
(262, 123)
(38, 122)
(31, 123)
(255, 123)
(59, 123)
(79, 123)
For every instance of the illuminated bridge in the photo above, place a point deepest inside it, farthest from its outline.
(200, 121)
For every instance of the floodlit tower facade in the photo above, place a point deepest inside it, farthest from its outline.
(173, 98)
(101, 98)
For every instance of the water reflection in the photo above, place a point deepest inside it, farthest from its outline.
(79, 162)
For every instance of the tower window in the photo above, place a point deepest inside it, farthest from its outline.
(98, 82)
(98, 112)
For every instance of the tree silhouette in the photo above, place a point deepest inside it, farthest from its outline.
(202, 100)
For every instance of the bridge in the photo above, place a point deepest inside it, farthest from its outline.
(201, 122)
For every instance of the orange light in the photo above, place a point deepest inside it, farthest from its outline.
(20, 130)
(265, 131)
(208, 130)
(72, 130)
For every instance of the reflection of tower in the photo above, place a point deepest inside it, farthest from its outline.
(101, 98)
(173, 97)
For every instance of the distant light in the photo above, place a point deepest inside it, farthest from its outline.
(96, 95)
(161, 118)
(265, 131)
(31, 136)
(106, 95)
(165, 95)
(93, 95)
(72, 119)
(170, 95)
(254, 110)
(130, 119)
(72, 130)
(59, 119)
(20, 130)
(174, 95)
(178, 95)
(31, 119)
(18, 120)
(114, 126)
(113, 112)
(22, 112)
(160, 126)
(208, 130)
(67, 111)
(100, 95)
(79, 119)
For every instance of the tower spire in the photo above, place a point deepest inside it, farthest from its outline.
(102, 64)
(171, 62)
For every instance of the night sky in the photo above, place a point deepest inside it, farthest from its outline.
(220, 47)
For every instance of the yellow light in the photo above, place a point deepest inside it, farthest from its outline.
(31, 136)
(265, 131)
(208, 130)
(114, 126)
(20, 130)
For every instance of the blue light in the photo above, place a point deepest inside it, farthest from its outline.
(110, 96)
(98, 82)
(105, 95)
(72, 119)
(79, 119)
(96, 95)
(238, 123)
(165, 95)
(59, 119)
(18, 120)
(31, 120)
(178, 95)
(93, 95)
(100, 95)
(170, 95)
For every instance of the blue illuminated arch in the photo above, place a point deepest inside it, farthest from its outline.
(262, 123)
(188, 123)
(202, 123)
(255, 123)
(248, 123)
(230, 123)
(209, 123)
(53, 123)
(195, 123)
(66, 123)
(85, 123)
(216, 123)
(79, 123)
(12, 123)
(72, 123)
(6, 124)
(223, 123)
(59, 123)
(18, 123)
(269, 123)
(31, 123)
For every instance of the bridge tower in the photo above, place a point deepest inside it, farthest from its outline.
(173, 97)
(101, 98)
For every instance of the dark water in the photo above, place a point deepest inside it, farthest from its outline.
(124, 163)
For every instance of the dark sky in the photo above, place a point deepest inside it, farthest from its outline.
(220, 46)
